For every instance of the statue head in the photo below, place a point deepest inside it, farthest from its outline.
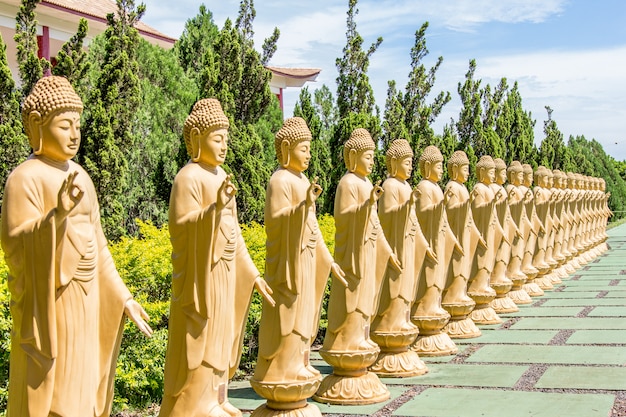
(293, 144)
(500, 171)
(528, 175)
(541, 176)
(358, 152)
(558, 178)
(431, 164)
(458, 167)
(399, 159)
(206, 132)
(486, 170)
(51, 118)
(602, 184)
(515, 173)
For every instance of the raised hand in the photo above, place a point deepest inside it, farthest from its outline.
(415, 195)
(313, 193)
(376, 192)
(69, 196)
(226, 192)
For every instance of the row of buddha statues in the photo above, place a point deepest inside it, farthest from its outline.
(413, 267)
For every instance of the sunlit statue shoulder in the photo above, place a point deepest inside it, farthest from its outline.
(213, 274)
(67, 298)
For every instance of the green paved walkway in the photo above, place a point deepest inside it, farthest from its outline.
(563, 355)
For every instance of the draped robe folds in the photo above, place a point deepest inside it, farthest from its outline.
(65, 340)
(461, 224)
(296, 268)
(430, 214)
(213, 275)
(504, 237)
(363, 253)
(484, 216)
(516, 210)
(404, 235)
(542, 208)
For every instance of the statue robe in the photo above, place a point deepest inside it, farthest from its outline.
(212, 282)
(362, 252)
(296, 268)
(67, 299)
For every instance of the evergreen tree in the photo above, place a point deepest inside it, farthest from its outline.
(355, 100)
(31, 67)
(493, 104)
(419, 115)
(515, 127)
(234, 73)
(196, 40)
(107, 132)
(72, 62)
(166, 95)
(469, 127)
(552, 152)
(326, 110)
(319, 165)
(394, 117)
(13, 143)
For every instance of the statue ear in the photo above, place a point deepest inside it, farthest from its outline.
(427, 166)
(35, 126)
(194, 138)
(284, 153)
(393, 164)
(352, 160)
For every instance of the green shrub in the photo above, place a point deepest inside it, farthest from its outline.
(5, 335)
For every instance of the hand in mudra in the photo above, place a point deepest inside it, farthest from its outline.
(70, 194)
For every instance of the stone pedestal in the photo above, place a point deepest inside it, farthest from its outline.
(432, 341)
(395, 359)
(461, 326)
(483, 313)
(287, 399)
(351, 383)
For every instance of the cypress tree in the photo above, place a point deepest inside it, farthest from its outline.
(107, 132)
(552, 152)
(72, 62)
(31, 67)
(13, 142)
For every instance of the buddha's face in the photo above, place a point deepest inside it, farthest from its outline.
(299, 156)
(528, 179)
(403, 168)
(460, 173)
(61, 136)
(501, 176)
(434, 171)
(364, 163)
(213, 146)
(517, 178)
(488, 175)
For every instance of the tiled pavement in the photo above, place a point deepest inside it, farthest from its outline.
(563, 355)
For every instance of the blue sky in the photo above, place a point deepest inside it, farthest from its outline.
(569, 55)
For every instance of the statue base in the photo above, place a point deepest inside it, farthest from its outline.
(561, 272)
(464, 328)
(554, 278)
(520, 297)
(532, 289)
(398, 364)
(504, 305)
(286, 398)
(395, 360)
(569, 268)
(485, 314)
(544, 282)
(351, 383)
(431, 341)
(308, 410)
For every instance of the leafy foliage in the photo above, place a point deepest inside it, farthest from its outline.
(552, 152)
(71, 61)
(13, 142)
(31, 67)
(5, 334)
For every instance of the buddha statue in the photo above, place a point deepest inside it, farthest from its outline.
(213, 278)
(515, 174)
(68, 301)
(483, 200)
(542, 198)
(531, 230)
(392, 329)
(297, 267)
(560, 220)
(459, 218)
(363, 253)
(502, 243)
(427, 311)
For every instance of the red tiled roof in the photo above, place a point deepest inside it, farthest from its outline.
(99, 9)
